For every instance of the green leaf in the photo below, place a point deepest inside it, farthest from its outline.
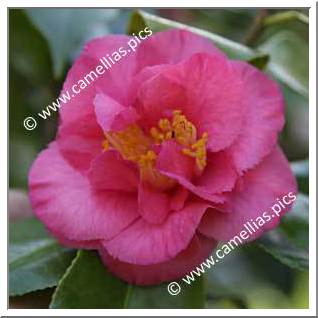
(88, 284)
(36, 261)
(295, 224)
(295, 137)
(66, 30)
(22, 152)
(238, 280)
(288, 60)
(259, 61)
(141, 19)
(300, 168)
(301, 172)
(29, 52)
(191, 296)
(30, 89)
(289, 242)
(30, 86)
(300, 292)
(225, 278)
(277, 245)
(284, 17)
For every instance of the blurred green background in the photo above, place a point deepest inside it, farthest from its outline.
(44, 42)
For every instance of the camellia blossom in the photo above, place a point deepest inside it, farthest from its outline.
(169, 152)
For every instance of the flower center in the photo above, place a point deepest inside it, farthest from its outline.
(183, 132)
(135, 145)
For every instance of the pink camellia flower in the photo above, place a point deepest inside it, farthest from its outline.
(170, 151)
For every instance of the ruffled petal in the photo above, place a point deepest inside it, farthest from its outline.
(263, 118)
(112, 115)
(79, 134)
(257, 193)
(207, 90)
(110, 172)
(171, 47)
(218, 176)
(195, 253)
(156, 54)
(79, 142)
(106, 110)
(99, 52)
(136, 244)
(63, 200)
(172, 160)
(154, 205)
(179, 198)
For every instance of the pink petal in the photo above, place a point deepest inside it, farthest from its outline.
(161, 48)
(120, 74)
(110, 172)
(78, 116)
(143, 243)
(106, 110)
(179, 198)
(195, 253)
(62, 198)
(258, 192)
(171, 159)
(171, 47)
(264, 117)
(208, 91)
(164, 49)
(154, 205)
(218, 176)
(110, 82)
(79, 142)
(87, 245)
(112, 115)
(144, 75)
(79, 105)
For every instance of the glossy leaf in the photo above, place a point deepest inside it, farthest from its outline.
(36, 261)
(295, 136)
(288, 60)
(301, 172)
(66, 30)
(237, 280)
(191, 296)
(284, 17)
(32, 61)
(278, 245)
(289, 242)
(30, 89)
(88, 284)
(296, 223)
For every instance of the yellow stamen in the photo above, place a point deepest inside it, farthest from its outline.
(134, 145)
(149, 172)
(131, 142)
(156, 135)
(148, 159)
(184, 133)
(105, 144)
(164, 125)
(198, 151)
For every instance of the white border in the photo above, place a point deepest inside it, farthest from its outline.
(144, 312)
(312, 158)
(161, 3)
